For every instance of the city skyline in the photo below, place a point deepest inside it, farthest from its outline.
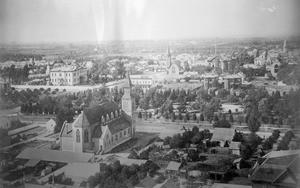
(108, 20)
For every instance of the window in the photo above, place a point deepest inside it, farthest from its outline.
(276, 68)
(173, 70)
(120, 134)
(60, 74)
(106, 137)
(128, 130)
(125, 133)
(86, 136)
(77, 135)
(116, 137)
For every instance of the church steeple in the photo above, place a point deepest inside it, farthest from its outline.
(128, 83)
(127, 99)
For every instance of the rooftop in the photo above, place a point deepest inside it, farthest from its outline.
(147, 182)
(54, 155)
(94, 114)
(65, 69)
(209, 75)
(235, 145)
(277, 168)
(223, 134)
(174, 166)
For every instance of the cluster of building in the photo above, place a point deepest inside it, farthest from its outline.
(101, 128)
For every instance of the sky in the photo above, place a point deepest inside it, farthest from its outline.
(33, 21)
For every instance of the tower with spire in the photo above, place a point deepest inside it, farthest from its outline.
(128, 101)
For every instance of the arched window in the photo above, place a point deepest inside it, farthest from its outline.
(276, 68)
(86, 136)
(77, 135)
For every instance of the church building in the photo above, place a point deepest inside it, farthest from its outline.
(101, 128)
(174, 68)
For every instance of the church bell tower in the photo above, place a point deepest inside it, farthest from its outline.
(128, 101)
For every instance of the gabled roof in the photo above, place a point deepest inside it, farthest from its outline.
(174, 166)
(118, 125)
(276, 168)
(178, 64)
(81, 121)
(32, 162)
(66, 130)
(94, 114)
(281, 153)
(147, 182)
(235, 145)
(54, 155)
(223, 134)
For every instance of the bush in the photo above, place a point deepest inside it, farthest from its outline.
(194, 117)
(231, 118)
(180, 116)
(140, 115)
(161, 178)
(280, 121)
(201, 117)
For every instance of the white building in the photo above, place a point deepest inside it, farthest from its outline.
(70, 75)
(142, 80)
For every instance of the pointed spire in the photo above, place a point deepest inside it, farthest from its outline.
(127, 81)
(169, 53)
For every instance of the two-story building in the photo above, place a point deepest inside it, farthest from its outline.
(141, 80)
(232, 81)
(71, 75)
(208, 80)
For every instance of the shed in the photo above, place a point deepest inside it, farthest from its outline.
(223, 135)
(173, 167)
(235, 148)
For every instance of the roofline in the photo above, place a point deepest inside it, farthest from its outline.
(63, 127)
(287, 170)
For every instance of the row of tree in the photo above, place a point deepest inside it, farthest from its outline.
(15, 75)
(117, 175)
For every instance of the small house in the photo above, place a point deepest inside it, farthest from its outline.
(173, 168)
(235, 148)
(223, 135)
